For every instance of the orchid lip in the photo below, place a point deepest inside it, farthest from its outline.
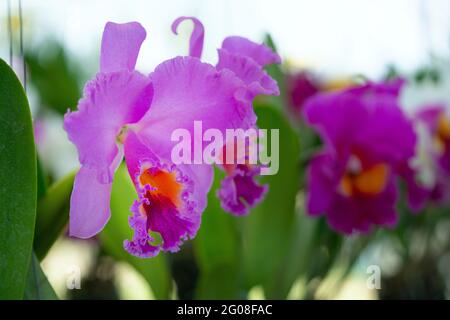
(165, 209)
(369, 181)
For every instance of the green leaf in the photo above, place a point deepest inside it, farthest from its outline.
(298, 258)
(154, 270)
(221, 283)
(52, 214)
(274, 70)
(270, 227)
(17, 185)
(38, 287)
(56, 81)
(41, 180)
(218, 251)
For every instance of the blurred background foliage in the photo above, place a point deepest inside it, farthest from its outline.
(275, 252)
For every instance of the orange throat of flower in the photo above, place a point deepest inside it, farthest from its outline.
(442, 137)
(164, 185)
(366, 182)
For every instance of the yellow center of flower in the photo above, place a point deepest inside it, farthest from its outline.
(368, 181)
(120, 138)
(442, 133)
(165, 183)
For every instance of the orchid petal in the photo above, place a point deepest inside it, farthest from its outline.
(120, 46)
(260, 53)
(240, 191)
(250, 72)
(110, 101)
(89, 204)
(187, 90)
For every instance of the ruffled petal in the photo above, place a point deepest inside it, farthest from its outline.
(349, 215)
(187, 90)
(120, 46)
(377, 127)
(110, 102)
(260, 53)
(250, 72)
(240, 191)
(197, 36)
(141, 244)
(337, 117)
(171, 199)
(390, 135)
(89, 204)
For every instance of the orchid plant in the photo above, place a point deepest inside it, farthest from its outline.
(357, 167)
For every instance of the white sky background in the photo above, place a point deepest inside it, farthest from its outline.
(334, 37)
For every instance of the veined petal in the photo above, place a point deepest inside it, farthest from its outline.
(120, 46)
(197, 36)
(187, 90)
(110, 102)
(260, 53)
(89, 204)
(249, 71)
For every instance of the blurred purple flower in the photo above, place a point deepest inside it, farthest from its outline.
(436, 123)
(300, 87)
(367, 141)
(124, 113)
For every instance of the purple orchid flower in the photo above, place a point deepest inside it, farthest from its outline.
(300, 87)
(436, 141)
(367, 140)
(240, 190)
(124, 113)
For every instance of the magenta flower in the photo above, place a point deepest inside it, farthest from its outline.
(124, 113)
(240, 190)
(300, 87)
(367, 140)
(434, 155)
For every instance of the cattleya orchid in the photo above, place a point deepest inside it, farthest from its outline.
(124, 113)
(239, 189)
(368, 143)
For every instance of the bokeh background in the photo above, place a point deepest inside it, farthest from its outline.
(276, 252)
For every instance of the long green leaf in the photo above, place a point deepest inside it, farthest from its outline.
(154, 270)
(38, 287)
(269, 229)
(218, 251)
(17, 185)
(52, 214)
